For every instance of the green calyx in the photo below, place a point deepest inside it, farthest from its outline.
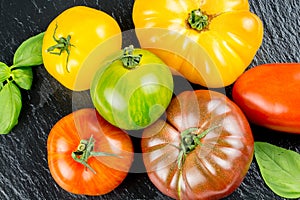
(85, 150)
(62, 45)
(190, 139)
(198, 20)
(129, 60)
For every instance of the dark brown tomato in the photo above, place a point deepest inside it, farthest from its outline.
(202, 150)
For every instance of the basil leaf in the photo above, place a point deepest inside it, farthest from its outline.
(23, 77)
(10, 104)
(280, 169)
(4, 72)
(29, 52)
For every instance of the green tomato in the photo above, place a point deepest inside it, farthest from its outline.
(133, 89)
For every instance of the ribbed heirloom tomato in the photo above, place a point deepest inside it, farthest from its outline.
(71, 37)
(209, 42)
(202, 150)
(132, 89)
(87, 155)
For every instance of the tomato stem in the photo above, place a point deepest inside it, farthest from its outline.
(129, 60)
(190, 139)
(63, 45)
(85, 150)
(197, 20)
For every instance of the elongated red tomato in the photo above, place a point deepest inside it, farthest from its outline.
(202, 150)
(269, 96)
(87, 155)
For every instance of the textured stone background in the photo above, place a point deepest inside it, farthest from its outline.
(24, 172)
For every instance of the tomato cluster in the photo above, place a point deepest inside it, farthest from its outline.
(203, 147)
(88, 150)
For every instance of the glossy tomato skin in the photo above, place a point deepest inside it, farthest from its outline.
(216, 167)
(87, 28)
(269, 96)
(214, 56)
(132, 99)
(74, 177)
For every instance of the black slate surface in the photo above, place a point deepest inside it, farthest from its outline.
(24, 172)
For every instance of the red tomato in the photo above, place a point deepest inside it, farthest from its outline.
(202, 150)
(106, 153)
(269, 96)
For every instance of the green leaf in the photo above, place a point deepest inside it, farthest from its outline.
(280, 169)
(23, 77)
(29, 52)
(4, 72)
(10, 104)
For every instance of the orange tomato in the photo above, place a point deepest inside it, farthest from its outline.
(87, 155)
(210, 43)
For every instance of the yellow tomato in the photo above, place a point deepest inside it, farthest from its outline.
(70, 39)
(209, 42)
